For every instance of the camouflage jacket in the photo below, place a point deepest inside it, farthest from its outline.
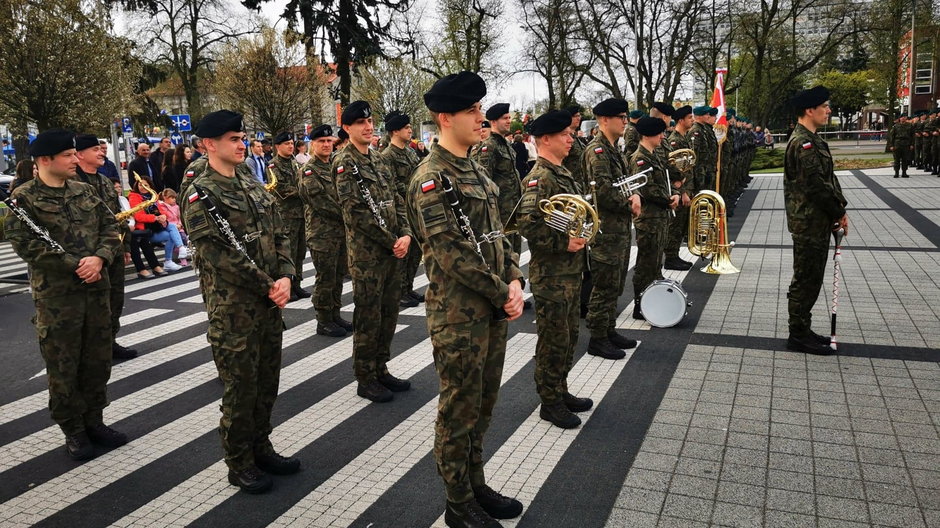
(287, 191)
(655, 195)
(631, 140)
(225, 274)
(603, 164)
(401, 162)
(572, 161)
(677, 141)
(498, 158)
(550, 255)
(705, 145)
(366, 239)
(464, 286)
(324, 217)
(104, 187)
(78, 220)
(811, 191)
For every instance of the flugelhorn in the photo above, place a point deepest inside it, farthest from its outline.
(683, 160)
(571, 214)
(630, 184)
(708, 232)
(124, 215)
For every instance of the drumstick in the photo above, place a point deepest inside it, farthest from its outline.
(836, 273)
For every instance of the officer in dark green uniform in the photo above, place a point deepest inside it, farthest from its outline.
(90, 156)
(326, 236)
(245, 288)
(475, 286)
(290, 206)
(705, 146)
(631, 139)
(901, 144)
(401, 160)
(558, 260)
(497, 157)
(68, 261)
(679, 226)
(815, 207)
(377, 239)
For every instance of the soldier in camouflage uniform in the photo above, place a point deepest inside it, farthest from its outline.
(935, 138)
(70, 285)
(918, 126)
(558, 261)
(326, 236)
(901, 144)
(497, 157)
(244, 291)
(659, 197)
(679, 225)
(631, 138)
(930, 129)
(604, 164)
(91, 156)
(290, 206)
(377, 239)
(401, 160)
(572, 163)
(815, 207)
(473, 288)
(706, 149)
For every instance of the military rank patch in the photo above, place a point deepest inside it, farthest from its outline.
(598, 150)
(429, 185)
(533, 182)
(193, 197)
(808, 145)
(340, 169)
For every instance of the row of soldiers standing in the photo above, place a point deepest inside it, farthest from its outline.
(916, 141)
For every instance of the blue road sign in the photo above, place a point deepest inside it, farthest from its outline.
(126, 125)
(176, 138)
(181, 122)
(259, 135)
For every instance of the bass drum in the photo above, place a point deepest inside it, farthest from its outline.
(664, 303)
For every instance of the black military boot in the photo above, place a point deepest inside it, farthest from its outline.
(407, 301)
(104, 436)
(575, 404)
(79, 446)
(619, 341)
(416, 296)
(301, 293)
(559, 415)
(250, 480)
(330, 329)
(374, 391)
(825, 340)
(602, 347)
(276, 464)
(527, 305)
(896, 175)
(394, 384)
(676, 263)
(122, 352)
(637, 313)
(344, 324)
(807, 344)
(468, 515)
(496, 505)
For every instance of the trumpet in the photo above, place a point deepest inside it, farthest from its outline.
(124, 215)
(571, 214)
(630, 184)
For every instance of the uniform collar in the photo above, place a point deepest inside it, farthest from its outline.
(461, 164)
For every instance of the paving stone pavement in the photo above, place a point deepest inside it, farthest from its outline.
(710, 423)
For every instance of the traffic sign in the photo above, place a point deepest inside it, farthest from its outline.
(176, 138)
(181, 122)
(259, 135)
(126, 125)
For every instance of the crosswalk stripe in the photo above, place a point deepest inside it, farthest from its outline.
(160, 282)
(303, 284)
(8, 270)
(542, 445)
(171, 291)
(52, 496)
(341, 498)
(209, 488)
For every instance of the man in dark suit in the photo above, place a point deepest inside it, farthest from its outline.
(256, 162)
(141, 165)
(156, 157)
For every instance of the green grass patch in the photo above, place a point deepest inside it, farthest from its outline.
(768, 159)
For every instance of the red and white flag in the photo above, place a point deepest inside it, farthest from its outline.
(718, 101)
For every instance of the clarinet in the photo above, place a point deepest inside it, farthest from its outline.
(367, 196)
(463, 221)
(24, 217)
(222, 223)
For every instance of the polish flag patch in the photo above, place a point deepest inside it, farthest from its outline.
(429, 185)
(640, 163)
(483, 149)
(598, 150)
(308, 172)
(808, 145)
(533, 183)
(193, 197)
(340, 169)
(190, 174)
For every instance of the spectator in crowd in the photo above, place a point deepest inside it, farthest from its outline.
(256, 161)
(169, 208)
(301, 156)
(198, 149)
(161, 231)
(341, 142)
(522, 155)
(3, 157)
(140, 243)
(142, 167)
(421, 149)
(181, 158)
(759, 136)
(533, 152)
(268, 150)
(109, 169)
(157, 158)
(166, 169)
(25, 170)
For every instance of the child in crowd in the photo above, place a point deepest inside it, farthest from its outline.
(168, 206)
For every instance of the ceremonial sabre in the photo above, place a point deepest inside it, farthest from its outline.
(836, 275)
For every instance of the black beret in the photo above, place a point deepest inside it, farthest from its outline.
(681, 112)
(712, 110)
(573, 109)
(355, 110)
(52, 142)
(321, 131)
(701, 110)
(214, 124)
(396, 121)
(283, 137)
(550, 123)
(730, 112)
(85, 141)
(486, 124)
(650, 126)
(497, 111)
(455, 92)
(811, 98)
(611, 107)
(665, 109)
(342, 134)
(636, 114)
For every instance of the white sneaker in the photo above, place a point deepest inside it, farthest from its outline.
(183, 252)
(171, 266)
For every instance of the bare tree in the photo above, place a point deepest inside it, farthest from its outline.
(394, 84)
(552, 52)
(712, 46)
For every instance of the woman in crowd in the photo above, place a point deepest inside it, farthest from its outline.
(166, 170)
(169, 208)
(140, 243)
(181, 159)
(162, 232)
(301, 149)
(25, 170)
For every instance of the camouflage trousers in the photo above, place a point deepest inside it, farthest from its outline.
(678, 231)
(246, 347)
(609, 278)
(75, 341)
(410, 267)
(469, 361)
(650, 241)
(810, 253)
(116, 277)
(294, 227)
(557, 311)
(902, 157)
(327, 296)
(376, 292)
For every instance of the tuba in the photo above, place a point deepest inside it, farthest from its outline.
(571, 214)
(708, 232)
(683, 160)
(124, 215)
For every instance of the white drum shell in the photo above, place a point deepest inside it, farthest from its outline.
(664, 303)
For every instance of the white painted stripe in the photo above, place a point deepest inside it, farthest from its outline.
(303, 284)
(53, 496)
(160, 282)
(209, 488)
(346, 494)
(19, 267)
(172, 291)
